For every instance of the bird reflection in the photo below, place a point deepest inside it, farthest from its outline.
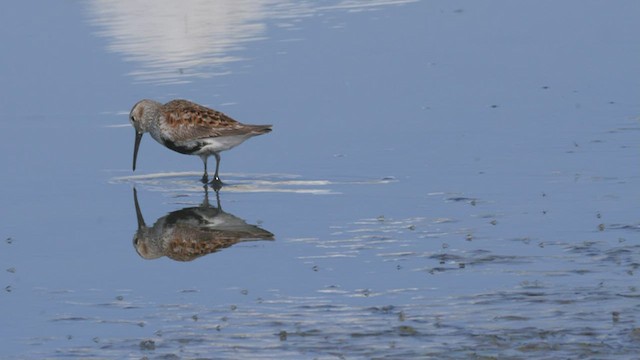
(192, 232)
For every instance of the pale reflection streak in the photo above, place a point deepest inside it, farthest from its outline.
(181, 182)
(192, 38)
(177, 41)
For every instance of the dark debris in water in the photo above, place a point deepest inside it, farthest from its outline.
(472, 201)
(71, 318)
(406, 330)
(147, 345)
(511, 318)
(627, 227)
(450, 262)
(387, 309)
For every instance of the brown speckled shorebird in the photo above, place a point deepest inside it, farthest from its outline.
(189, 233)
(191, 129)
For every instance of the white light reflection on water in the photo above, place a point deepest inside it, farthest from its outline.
(176, 182)
(176, 42)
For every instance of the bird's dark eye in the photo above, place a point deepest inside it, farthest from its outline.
(132, 119)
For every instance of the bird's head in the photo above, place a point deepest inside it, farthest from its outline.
(141, 117)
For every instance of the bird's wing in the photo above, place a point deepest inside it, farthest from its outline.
(191, 121)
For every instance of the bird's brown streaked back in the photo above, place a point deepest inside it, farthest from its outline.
(193, 121)
(181, 112)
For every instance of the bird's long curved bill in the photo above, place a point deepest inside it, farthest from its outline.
(136, 146)
(141, 223)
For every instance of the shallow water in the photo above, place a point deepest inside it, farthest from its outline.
(443, 181)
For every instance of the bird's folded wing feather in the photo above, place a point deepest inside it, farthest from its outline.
(190, 121)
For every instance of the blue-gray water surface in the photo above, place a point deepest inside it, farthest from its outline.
(444, 180)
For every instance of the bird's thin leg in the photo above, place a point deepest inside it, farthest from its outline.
(216, 183)
(205, 177)
(216, 177)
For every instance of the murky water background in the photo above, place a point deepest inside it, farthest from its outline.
(444, 180)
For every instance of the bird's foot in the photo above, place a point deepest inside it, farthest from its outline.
(205, 179)
(216, 183)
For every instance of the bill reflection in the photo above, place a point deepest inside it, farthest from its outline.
(192, 232)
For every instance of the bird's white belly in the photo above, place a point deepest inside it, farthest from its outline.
(218, 144)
